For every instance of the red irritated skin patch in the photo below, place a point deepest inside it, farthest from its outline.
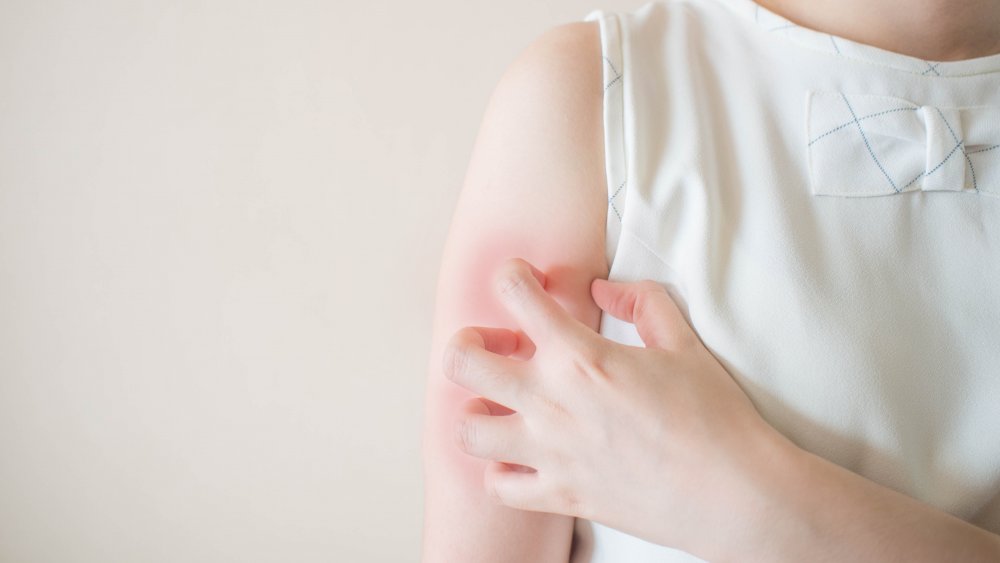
(472, 300)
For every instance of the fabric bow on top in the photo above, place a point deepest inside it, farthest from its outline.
(866, 145)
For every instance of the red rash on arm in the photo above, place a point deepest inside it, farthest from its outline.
(535, 189)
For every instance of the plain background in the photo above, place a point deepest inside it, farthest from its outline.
(220, 228)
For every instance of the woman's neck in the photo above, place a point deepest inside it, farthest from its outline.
(934, 30)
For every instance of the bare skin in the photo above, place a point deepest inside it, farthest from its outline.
(537, 175)
(534, 188)
(934, 30)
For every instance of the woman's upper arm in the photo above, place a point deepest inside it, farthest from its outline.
(535, 188)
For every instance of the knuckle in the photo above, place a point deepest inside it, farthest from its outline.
(490, 484)
(511, 281)
(644, 299)
(464, 435)
(570, 502)
(455, 359)
(592, 360)
(553, 410)
(452, 362)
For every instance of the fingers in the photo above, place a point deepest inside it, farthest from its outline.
(521, 288)
(516, 487)
(527, 489)
(650, 308)
(475, 359)
(500, 438)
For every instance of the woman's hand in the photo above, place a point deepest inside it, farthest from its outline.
(659, 442)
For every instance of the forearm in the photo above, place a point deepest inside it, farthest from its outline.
(461, 522)
(823, 512)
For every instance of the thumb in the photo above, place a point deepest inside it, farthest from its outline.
(648, 306)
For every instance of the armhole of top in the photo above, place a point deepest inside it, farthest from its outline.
(615, 162)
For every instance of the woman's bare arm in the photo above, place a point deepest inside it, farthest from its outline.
(535, 188)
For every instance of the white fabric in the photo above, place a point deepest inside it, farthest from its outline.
(911, 146)
(866, 329)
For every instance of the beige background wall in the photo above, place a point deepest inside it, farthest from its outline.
(220, 225)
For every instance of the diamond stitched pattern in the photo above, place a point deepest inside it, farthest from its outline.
(870, 145)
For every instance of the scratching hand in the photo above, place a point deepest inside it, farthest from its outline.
(657, 441)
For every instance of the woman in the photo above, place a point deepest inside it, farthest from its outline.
(815, 183)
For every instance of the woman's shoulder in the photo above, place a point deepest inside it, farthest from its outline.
(534, 188)
(535, 183)
(560, 69)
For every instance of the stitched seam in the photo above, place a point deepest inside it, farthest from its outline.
(612, 66)
(865, 138)
(616, 80)
(611, 200)
(975, 185)
(612, 83)
(982, 150)
(931, 171)
(618, 75)
(614, 195)
(849, 123)
(615, 209)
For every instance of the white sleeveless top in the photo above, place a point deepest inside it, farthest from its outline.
(827, 215)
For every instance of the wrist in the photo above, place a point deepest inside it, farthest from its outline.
(768, 511)
(820, 511)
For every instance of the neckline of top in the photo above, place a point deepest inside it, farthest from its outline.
(843, 47)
